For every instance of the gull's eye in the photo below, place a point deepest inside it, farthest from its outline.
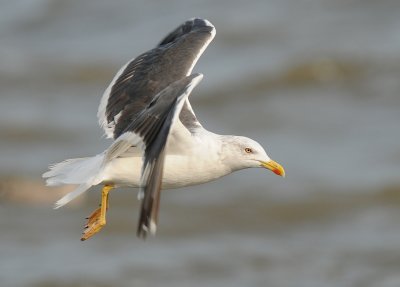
(248, 150)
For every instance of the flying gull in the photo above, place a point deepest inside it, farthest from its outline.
(158, 141)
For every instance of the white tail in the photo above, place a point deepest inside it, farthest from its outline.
(82, 171)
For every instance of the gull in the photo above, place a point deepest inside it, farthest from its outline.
(158, 142)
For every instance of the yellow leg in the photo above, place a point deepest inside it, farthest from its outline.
(97, 219)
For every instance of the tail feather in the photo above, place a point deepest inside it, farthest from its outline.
(59, 173)
(72, 195)
(84, 172)
(73, 171)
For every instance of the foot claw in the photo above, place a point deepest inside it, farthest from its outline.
(94, 225)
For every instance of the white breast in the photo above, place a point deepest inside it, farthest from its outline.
(195, 167)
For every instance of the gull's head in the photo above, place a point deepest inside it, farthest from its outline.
(243, 152)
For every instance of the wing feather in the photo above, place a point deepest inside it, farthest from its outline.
(141, 79)
(154, 126)
(150, 131)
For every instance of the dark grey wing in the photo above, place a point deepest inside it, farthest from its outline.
(136, 83)
(153, 126)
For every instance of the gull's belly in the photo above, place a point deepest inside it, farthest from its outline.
(179, 171)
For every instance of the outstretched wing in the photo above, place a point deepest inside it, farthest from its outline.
(136, 83)
(150, 131)
(155, 127)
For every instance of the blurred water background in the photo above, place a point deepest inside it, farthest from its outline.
(315, 81)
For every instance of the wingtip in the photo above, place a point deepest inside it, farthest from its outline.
(197, 77)
(147, 228)
(194, 80)
(201, 22)
(153, 228)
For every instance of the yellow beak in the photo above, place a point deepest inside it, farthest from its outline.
(274, 167)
